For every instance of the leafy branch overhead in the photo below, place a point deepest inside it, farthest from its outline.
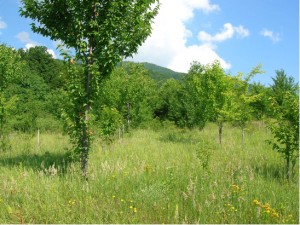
(113, 29)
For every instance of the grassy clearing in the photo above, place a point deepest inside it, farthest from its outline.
(163, 176)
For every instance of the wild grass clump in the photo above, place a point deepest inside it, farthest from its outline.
(161, 176)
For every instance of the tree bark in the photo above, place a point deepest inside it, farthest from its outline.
(85, 148)
(288, 157)
(243, 135)
(128, 116)
(85, 142)
(288, 168)
(220, 132)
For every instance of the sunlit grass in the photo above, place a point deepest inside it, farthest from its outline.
(151, 177)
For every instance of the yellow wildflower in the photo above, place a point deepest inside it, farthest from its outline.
(235, 188)
(131, 206)
(71, 202)
(256, 202)
(134, 210)
(266, 207)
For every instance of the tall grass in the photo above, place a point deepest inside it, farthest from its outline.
(168, 175)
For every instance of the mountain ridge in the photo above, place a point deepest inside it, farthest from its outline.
(160, 73)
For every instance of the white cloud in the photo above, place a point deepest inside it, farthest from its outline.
(51, 52)
(227, 32)
(24, 37)
(274, 37)
(3, 25)
(167, 45)
(202, 53)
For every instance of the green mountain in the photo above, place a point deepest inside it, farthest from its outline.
(160, 73)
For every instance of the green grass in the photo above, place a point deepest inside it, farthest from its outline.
(164, 176)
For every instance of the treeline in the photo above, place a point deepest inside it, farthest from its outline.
(35, 94)
(205, 94)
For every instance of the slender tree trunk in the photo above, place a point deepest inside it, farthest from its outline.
(85, 142)
(128, 115)
(220, 132)
(293, 167)
(288, 157)
(243, 135)
(84, 152)
(288, 168)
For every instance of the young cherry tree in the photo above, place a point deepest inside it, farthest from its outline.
(241, 110)
(285, 128)
(102, 33)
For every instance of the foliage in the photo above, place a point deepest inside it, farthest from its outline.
(171, 102)
(10, 70)
(197, 114)
(42, 63)
(207, 92)
(131, 91)
(110, 122)
(261, 108)
(282, 84)
(102, 33)
(241, 110)
(285, 128)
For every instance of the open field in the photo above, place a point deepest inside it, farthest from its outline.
(165, 175)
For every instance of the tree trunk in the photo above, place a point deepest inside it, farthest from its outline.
(293, 167)
(288, 168)
(243, 135)
(85, 142)
(85, 149)
(128, 115)
(220, 132)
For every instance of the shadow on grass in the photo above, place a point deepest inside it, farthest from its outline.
(270, 171)
(49, 163)
(178, 137)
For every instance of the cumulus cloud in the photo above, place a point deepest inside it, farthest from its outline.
(167, 45)
(3, 25)
(227, 32)
(202, 53)
(24, 37)
(274, 37)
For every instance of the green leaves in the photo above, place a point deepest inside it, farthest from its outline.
(285, 128)
(102, 32)
(114, 29)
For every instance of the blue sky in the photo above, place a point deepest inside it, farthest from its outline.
(239, 33)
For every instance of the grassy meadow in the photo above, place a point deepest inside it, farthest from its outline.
(162, 175)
